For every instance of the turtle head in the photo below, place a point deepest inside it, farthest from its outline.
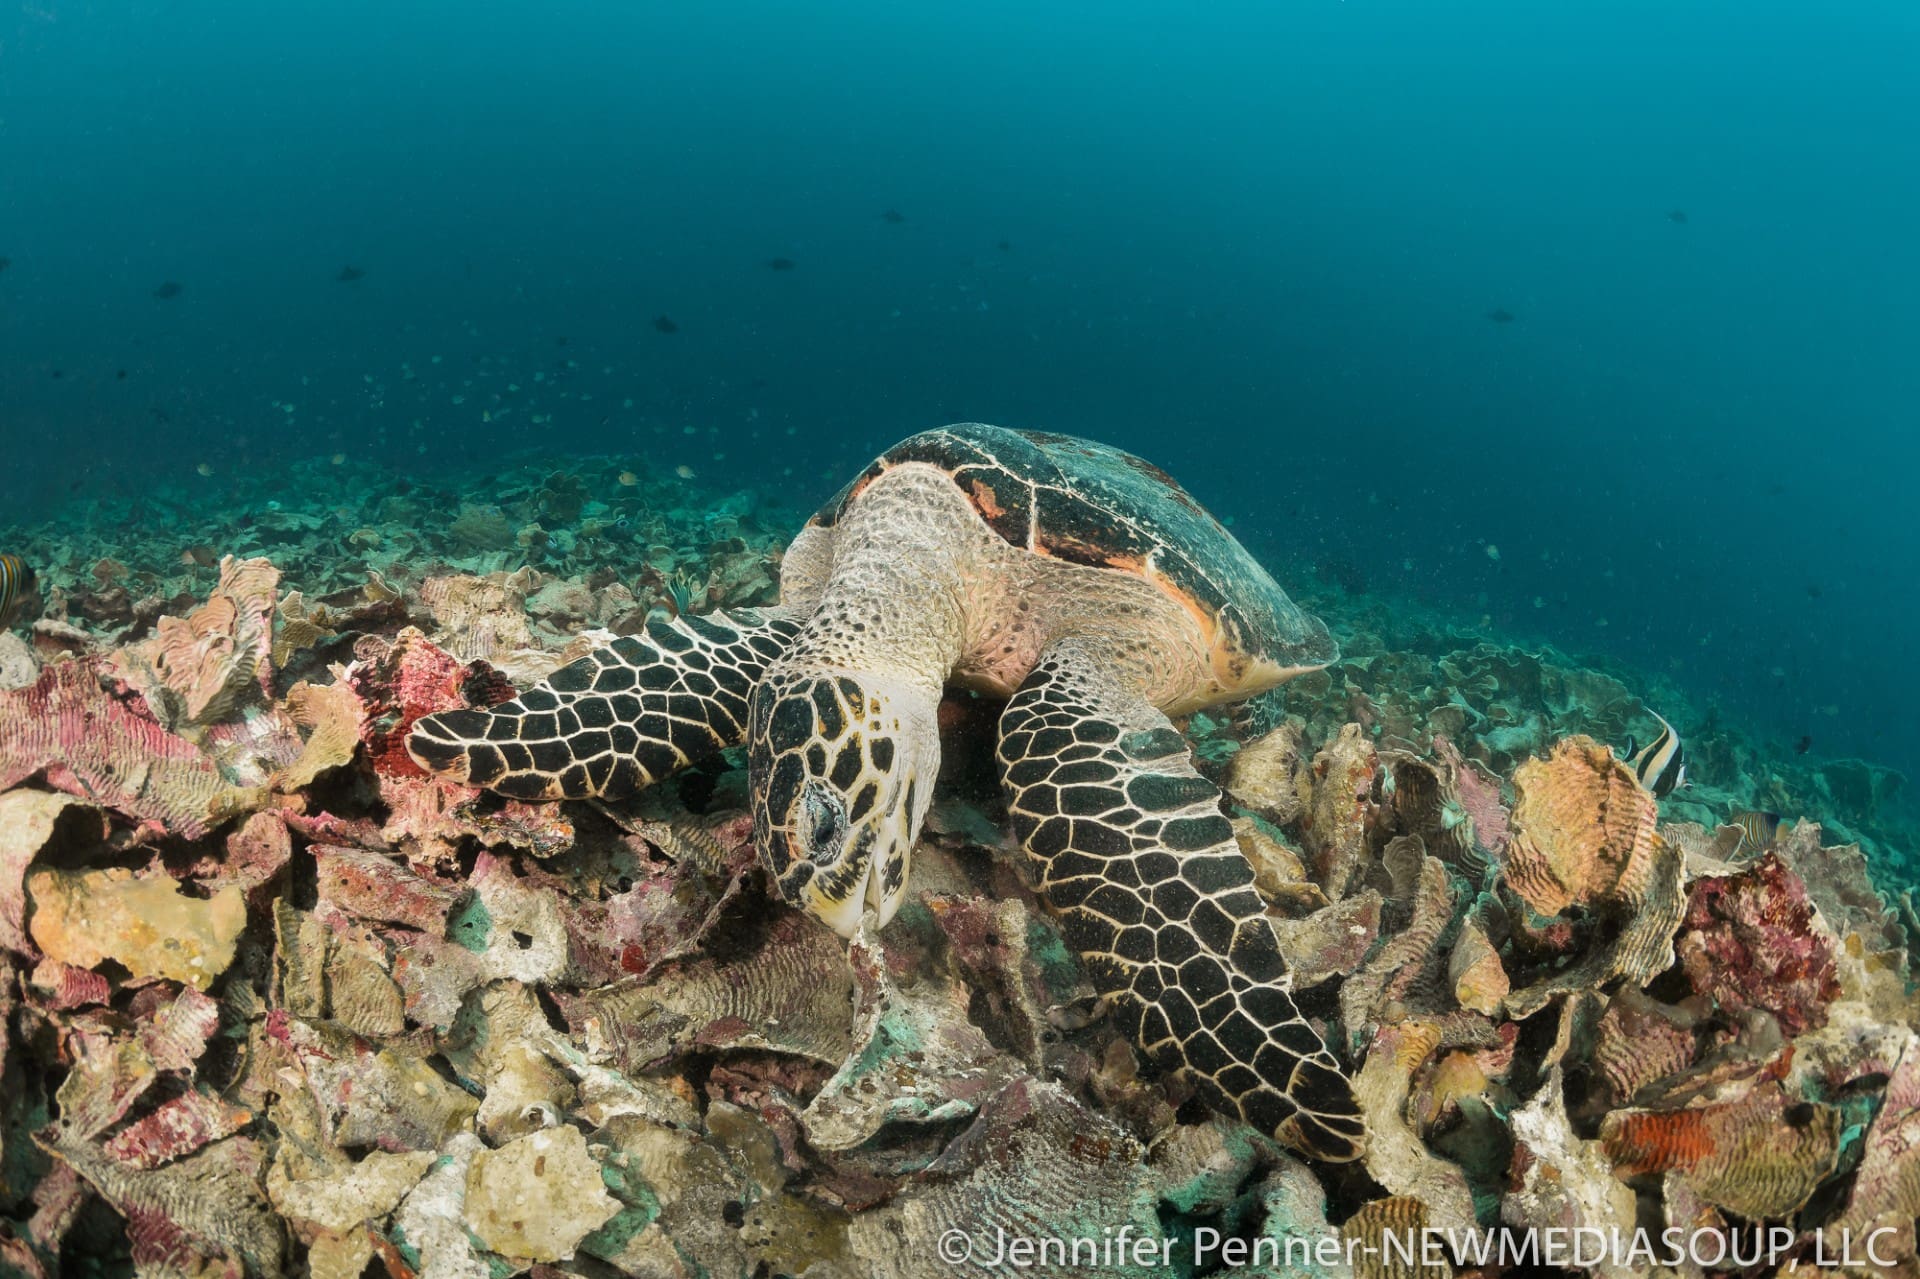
(842, 767)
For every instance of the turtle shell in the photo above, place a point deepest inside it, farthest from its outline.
(1091, 504)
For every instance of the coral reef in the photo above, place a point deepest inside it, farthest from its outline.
(277, 1003)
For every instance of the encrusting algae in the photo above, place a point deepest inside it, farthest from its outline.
(285, 1004)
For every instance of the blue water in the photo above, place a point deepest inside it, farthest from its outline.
(1259, 243)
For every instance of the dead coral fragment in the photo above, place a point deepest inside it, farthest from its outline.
(1396, 1156)
(207, 661)
(1268, 775)
(331, 715)
(1561, 1181)
(795, 994)
(1639, 1042)
(340, 1201)
(1345, 778)
(111, 752)
(1584, 829)
(401, 681)
(83, 917)
(300, 627)
(1427, 803)
(1759, 1155)
(1035, 1162)
(1333, 940)
(179, 1126)
(1886, 1191)
(1279, 876)
(373, 886)
(18, 666)
(1384, 1239)
(481, 528)
(537, 1197)
(1641, 950)
(1752, 941)
(484, 619)
(1835, 876)
(1478, 795)
(27, 821)
(917, 1060)
(1479, 982)
(1585, 835)
(180, 1217)
(1409, 968)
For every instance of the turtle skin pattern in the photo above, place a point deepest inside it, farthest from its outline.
(1132, 852)
(617, 720)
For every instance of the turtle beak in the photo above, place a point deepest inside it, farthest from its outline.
(865, 897)
(843, 914)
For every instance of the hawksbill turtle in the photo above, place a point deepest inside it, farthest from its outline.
(1081, 584)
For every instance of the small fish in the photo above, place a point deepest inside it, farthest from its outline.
(1804, 745)
(16, 584)
(665, 324)
(628, 479)
(1661, 764)
(684, 471)
(348, 274)
(1677, 216)
(1500, 315)
(5, 263)
(1006, 246)
(780, 264)
(1757, 829)
(893, 215)
(168, 289)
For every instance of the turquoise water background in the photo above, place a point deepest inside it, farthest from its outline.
(1265, 245)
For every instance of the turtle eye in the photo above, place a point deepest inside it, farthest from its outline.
(823, 822)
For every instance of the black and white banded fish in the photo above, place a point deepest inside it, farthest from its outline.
(1757, 829)
(16, 585)
(1661, 764)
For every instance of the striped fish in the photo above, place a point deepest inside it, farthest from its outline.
(16, 584)
(1757, 829)
(1660, 765)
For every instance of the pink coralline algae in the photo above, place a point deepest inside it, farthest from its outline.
(1478, 794)
(106, 749)
(409, 678)
(1751, 941)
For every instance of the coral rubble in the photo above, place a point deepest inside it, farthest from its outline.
(279, 1003)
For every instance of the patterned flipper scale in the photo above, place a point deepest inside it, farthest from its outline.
(1132, 851)
(619, 719)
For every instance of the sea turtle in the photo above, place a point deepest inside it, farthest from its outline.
(1089, 590)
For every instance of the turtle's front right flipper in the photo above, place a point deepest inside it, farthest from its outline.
(619, 719)
(1132, 850)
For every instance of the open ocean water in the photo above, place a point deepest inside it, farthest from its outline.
(1627, 291)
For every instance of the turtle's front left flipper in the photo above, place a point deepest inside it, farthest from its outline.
(620, 718)
(1131, 849)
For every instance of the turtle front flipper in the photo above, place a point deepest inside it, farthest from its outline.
(1132, 851)
(620, 718)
